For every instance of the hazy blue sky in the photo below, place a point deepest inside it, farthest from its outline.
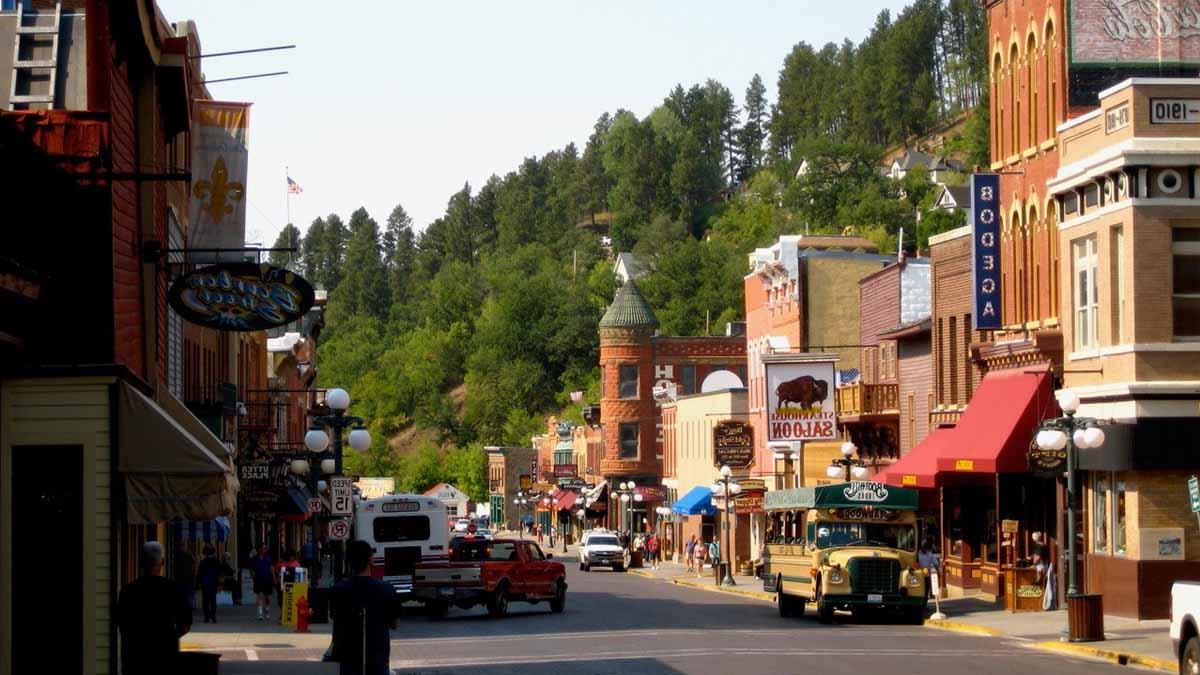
(402, 102)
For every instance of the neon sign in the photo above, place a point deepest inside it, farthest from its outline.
(241, 296)
(985, 249)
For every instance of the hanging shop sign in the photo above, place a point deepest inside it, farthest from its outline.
(572, 483)
(651, 493)
(985, 249)
(733, 444)
(801, 401)
(748, 502)
(220, 160)
(566, 470)
(241, 296)
(525, 481)
(1047, 462)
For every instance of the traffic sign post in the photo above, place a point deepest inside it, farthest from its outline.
(339, 529)
(314, 505)
(1194, 496)
(341, 500)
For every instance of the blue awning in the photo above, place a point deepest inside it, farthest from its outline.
(697, 502)
(216, 529)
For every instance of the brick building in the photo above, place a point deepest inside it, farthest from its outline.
(1131, 284)
(956, 373)
(636, 366)
(507, 468)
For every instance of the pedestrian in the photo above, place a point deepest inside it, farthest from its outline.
(927, 559)
(232, 583)
(183, 571)
(1046, 576)
(263, 569)
(151, 615)
(701, 552)
(363, 609)
(714, 557)
(652, 550)
(208, 580)
(689, 550)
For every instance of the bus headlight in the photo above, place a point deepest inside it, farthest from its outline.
(835, 576)
(914, 579)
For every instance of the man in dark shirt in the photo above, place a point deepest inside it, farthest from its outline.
(363, 610)
(152, 615)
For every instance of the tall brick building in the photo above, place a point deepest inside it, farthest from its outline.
(636, 364)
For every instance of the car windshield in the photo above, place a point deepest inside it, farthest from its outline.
(486, 550)
(866, 534)
(603, 540)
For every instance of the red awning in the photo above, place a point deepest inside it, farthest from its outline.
(566, 500)
(994, 433)
(919, 467)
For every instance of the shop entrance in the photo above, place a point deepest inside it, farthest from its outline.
(47, 504)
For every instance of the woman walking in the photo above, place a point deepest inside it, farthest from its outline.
(689, 552)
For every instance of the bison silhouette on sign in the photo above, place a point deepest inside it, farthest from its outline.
(805, 390)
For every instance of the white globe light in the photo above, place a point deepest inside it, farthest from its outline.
(1058, 439)
(848, 449)
(637, 497)
(1079, 438)
(316, 440)
(859, 472)
(625, 498)
(1040, 440)
(1094, 437)
(726, 471)
(833, 471)
(338, 399)
(299, 467)
(623, 485)
(580, 513)
(322, 486)
(360, 439)
(328, 466)
(516, 501)
(780, 455)
(1068, 401)
(735, 488)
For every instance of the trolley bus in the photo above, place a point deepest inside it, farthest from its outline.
(403, 530)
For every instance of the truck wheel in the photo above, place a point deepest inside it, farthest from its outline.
(497, 602)
(559, 602)
(824, 612)
(1189, 662)
(783, 602)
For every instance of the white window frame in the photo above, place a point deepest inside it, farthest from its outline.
(1188, 248)
(1118, 486)
(1083, 258)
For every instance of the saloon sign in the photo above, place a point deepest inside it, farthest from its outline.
(801, 400)
(985, 249)
(241, 296)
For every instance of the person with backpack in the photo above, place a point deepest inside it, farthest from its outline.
(714, 555)
(652, 550)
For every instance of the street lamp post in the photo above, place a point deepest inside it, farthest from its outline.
(1072, 433)
(317, 441)
(521, 503)
(726, 486)
(846, 467)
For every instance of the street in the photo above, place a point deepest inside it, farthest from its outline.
(622, 623)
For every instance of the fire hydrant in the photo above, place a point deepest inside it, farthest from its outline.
(303, 613)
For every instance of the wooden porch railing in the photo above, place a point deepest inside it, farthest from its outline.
(868, 399)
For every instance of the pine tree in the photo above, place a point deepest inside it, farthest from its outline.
(364, 289)
(753, 133)
(400, 252)
(312, 254)
(289, 237)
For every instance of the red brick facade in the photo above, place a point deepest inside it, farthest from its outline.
(955, 375)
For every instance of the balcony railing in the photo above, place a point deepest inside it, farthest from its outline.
(868, 399)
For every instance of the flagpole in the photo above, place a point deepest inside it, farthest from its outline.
(287, 192)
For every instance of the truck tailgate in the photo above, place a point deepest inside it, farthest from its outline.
(448, 574)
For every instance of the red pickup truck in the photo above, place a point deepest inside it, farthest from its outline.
(491, 572)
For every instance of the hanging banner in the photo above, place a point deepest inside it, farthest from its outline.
(241, 296)
(985, 249)
(220, 159)
(801, 400)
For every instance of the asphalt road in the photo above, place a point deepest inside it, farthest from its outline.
(619, 623)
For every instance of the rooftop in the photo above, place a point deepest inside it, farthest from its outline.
(629, 309)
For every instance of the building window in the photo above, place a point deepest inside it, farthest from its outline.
(1117, 258)
(687, 380)
(954, 360)
(629, 436)
(1118, 510)
(1100, 516)
(1085, 292)
(628, 387)
(1185, 282)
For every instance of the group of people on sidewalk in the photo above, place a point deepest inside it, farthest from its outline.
(697, 554)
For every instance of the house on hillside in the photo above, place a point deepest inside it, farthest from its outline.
(458, 504)
(953, 198)
(938, 167)
(628, 267)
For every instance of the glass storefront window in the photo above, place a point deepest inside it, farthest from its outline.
(1119, 541)
(1100, 516)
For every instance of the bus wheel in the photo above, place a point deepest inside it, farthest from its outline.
(782, 600)
(824, 612)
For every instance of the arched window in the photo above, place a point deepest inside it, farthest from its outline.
(1035, 263)
(1052, 253)
(1014, 58)
(1051, 80)
(998, 118)
(1032, 88)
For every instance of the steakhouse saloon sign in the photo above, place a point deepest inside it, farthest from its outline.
(1115, 33)
(801, 400)
(241, 296)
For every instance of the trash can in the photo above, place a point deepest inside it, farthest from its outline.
(1085, 617)
(635, 558)
(198, 663)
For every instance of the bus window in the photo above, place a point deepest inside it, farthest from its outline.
(389, 529)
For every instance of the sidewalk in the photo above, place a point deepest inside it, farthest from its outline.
(1129, 642)
(238, 629)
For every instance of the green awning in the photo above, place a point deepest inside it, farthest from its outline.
(842, 495)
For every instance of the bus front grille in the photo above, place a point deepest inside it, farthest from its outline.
(874, 575)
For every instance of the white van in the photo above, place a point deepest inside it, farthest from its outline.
(403, 530)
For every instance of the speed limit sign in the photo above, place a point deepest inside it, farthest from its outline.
(339, 529)
(341, 497)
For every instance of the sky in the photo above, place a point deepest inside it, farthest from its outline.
(402, 102)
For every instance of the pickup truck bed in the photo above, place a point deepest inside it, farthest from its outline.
(492, 573)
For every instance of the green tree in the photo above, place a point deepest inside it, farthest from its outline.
(289, 237)
(364, 288)
(753, 134)
(400, 253)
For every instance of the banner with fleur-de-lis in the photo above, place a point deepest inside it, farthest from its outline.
(220, 159)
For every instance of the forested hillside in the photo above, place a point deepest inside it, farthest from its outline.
(469, 331)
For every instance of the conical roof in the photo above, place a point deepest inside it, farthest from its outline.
(629, 309)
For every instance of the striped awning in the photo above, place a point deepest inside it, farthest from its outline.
(216, 529)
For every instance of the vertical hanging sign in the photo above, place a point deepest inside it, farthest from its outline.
(220, 159)
(985, 249)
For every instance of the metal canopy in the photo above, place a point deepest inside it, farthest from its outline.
(856, 494)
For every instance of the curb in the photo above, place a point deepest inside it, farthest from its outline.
(686, 581)
(1112, 656)
(959, 627)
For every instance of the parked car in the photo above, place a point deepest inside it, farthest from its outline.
(492, 572)
(484, 533)
(462, 524)
(603, 549)
(1185, 618)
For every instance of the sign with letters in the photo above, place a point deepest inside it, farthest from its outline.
(801, 400)
(241, 296)
(985, 249)
(341, 496)
(1175, 111)
(733, 444)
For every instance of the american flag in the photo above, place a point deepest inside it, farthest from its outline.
(293, 187)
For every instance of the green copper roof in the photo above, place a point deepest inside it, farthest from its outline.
(629, 309)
